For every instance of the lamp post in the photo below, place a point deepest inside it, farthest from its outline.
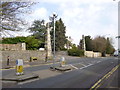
(52, 18)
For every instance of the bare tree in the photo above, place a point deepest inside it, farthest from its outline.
(99, 44)
(9, 15)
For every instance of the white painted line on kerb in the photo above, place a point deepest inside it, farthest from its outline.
(90, 65)
(68, 71)
(73, 66)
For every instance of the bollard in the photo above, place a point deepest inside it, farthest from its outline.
(62, 62)
(32, 59)
(8, 60)
(19, 67)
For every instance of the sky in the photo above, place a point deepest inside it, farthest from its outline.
(81, 17)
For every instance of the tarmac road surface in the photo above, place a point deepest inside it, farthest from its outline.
(87, 73)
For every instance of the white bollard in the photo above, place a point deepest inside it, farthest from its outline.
(62, 61)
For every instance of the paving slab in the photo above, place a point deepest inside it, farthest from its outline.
(20, 78)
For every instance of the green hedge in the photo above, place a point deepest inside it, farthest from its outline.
(75, 52)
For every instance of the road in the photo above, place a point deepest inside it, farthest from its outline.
(87, 73)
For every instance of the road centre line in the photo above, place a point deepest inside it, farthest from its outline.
(99, 82)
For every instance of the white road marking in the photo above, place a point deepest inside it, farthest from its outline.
(86, 66)
(73, 66)
(82, 64)
(98, 61)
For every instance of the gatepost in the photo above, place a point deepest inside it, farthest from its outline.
(19, 67)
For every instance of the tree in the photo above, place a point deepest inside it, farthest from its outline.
(32, 43)
(60, 38)
(39, 30)
(75, 51)
(68, 42)
(103, 45)
(109, 48)
(88, 43)
(99, 44)
(80, 46)
(14, 40)
(9, 14)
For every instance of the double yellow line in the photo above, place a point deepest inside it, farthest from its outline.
(99, 83)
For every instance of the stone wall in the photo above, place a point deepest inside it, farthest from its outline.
(97, 54)
(18, 46)
(25, 55)
(92, 54)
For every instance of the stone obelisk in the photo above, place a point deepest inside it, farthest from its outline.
(83, 44)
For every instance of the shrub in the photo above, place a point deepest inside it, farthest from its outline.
(75, 52)
(63, 49)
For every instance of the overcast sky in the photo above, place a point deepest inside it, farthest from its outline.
(81, 17)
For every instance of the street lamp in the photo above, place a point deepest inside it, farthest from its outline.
(52, 18)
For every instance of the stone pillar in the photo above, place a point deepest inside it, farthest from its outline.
(23, 46)
(83, 46)
(48, 44)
